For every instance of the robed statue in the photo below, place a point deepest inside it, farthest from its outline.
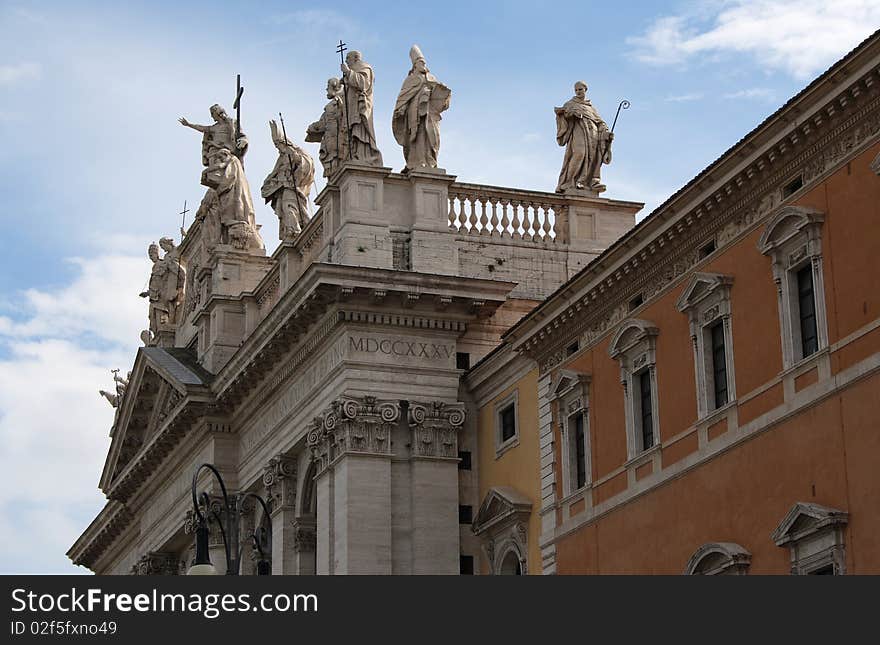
(416, 119)
(358, 78)
(165, 289)
(331, 130)
(230, 207)
(587, 142)
(288, 186)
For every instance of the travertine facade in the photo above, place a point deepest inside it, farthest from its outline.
(327, 377)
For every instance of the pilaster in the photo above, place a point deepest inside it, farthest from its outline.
(279, 478)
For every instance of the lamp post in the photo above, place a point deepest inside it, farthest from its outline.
(232, 507)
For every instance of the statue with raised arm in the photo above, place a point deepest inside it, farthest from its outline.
(416, 119)
(586, 138)
(288, 186)
(358, 77)
(331, 130)
(219, 135)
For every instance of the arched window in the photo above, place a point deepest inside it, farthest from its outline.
(510, 564)
(719, 559)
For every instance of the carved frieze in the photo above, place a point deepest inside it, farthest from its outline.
(435, 427)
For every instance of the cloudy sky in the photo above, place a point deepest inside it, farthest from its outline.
(94, 166)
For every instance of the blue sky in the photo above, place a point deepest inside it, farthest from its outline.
(94, 165)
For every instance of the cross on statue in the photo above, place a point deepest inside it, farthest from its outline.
(341, 48)
(183, 219)
(239, 90)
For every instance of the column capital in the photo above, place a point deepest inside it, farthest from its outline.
(352, 425)
(279, 478)
(435, 427)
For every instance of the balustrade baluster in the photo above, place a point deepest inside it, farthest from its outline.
(494, 220)
(484, 217)
(472, 216)
(504, 224)
(453, 216)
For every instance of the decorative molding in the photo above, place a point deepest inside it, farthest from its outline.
(815, 536)
(435, 428)
(157, 563)
(719, 558)
(501, 524)
(706, 300)
(792, 238)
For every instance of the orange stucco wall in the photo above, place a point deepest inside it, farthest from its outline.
(518, 467)
(828, 453)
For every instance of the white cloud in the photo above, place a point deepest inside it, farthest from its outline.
(56, 350)
(799, 37)
(682, 98)
(10, 74)
(762, 93)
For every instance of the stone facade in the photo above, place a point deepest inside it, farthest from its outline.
(327, 377)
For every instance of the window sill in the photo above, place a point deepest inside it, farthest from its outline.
(806, 364)
(717, 414)
(642, 457)
(511, 443)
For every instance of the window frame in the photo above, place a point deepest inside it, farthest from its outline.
(706, 302)
(815, 537)
(792, 239)
(634, 347)
(502, 445)
(571, 393)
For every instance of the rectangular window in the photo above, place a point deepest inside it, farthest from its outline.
(807, 311)
(719, 363)
(465, 514)
(647, 414)
(508, 423)
(462, 361)
(466, 565)
(580, 452)
(464, 457)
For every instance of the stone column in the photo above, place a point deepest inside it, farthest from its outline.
(304, 545)
(435, 534)
(351, 443)
(279, 478)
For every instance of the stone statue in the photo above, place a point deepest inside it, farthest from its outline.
(331, 130)
(358, 77)
(586, 137)
(112, 398)
(288, 186)
(416, 119)
(166, 286)
(229, 210)
(219, 135)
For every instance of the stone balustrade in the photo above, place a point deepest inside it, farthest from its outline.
(506, 212)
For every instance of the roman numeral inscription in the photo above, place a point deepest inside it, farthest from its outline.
(401, 348)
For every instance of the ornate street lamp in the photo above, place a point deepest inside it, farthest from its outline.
(233, 508)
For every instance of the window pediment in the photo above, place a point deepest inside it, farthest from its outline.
(501, 507)
(700, 287)
(718, 558)
(805, 519)
(787, 224)
(629, 334)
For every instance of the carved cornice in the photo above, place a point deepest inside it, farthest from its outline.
(845, 126)
(435, 427)
(349, 425)
(109, 524)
